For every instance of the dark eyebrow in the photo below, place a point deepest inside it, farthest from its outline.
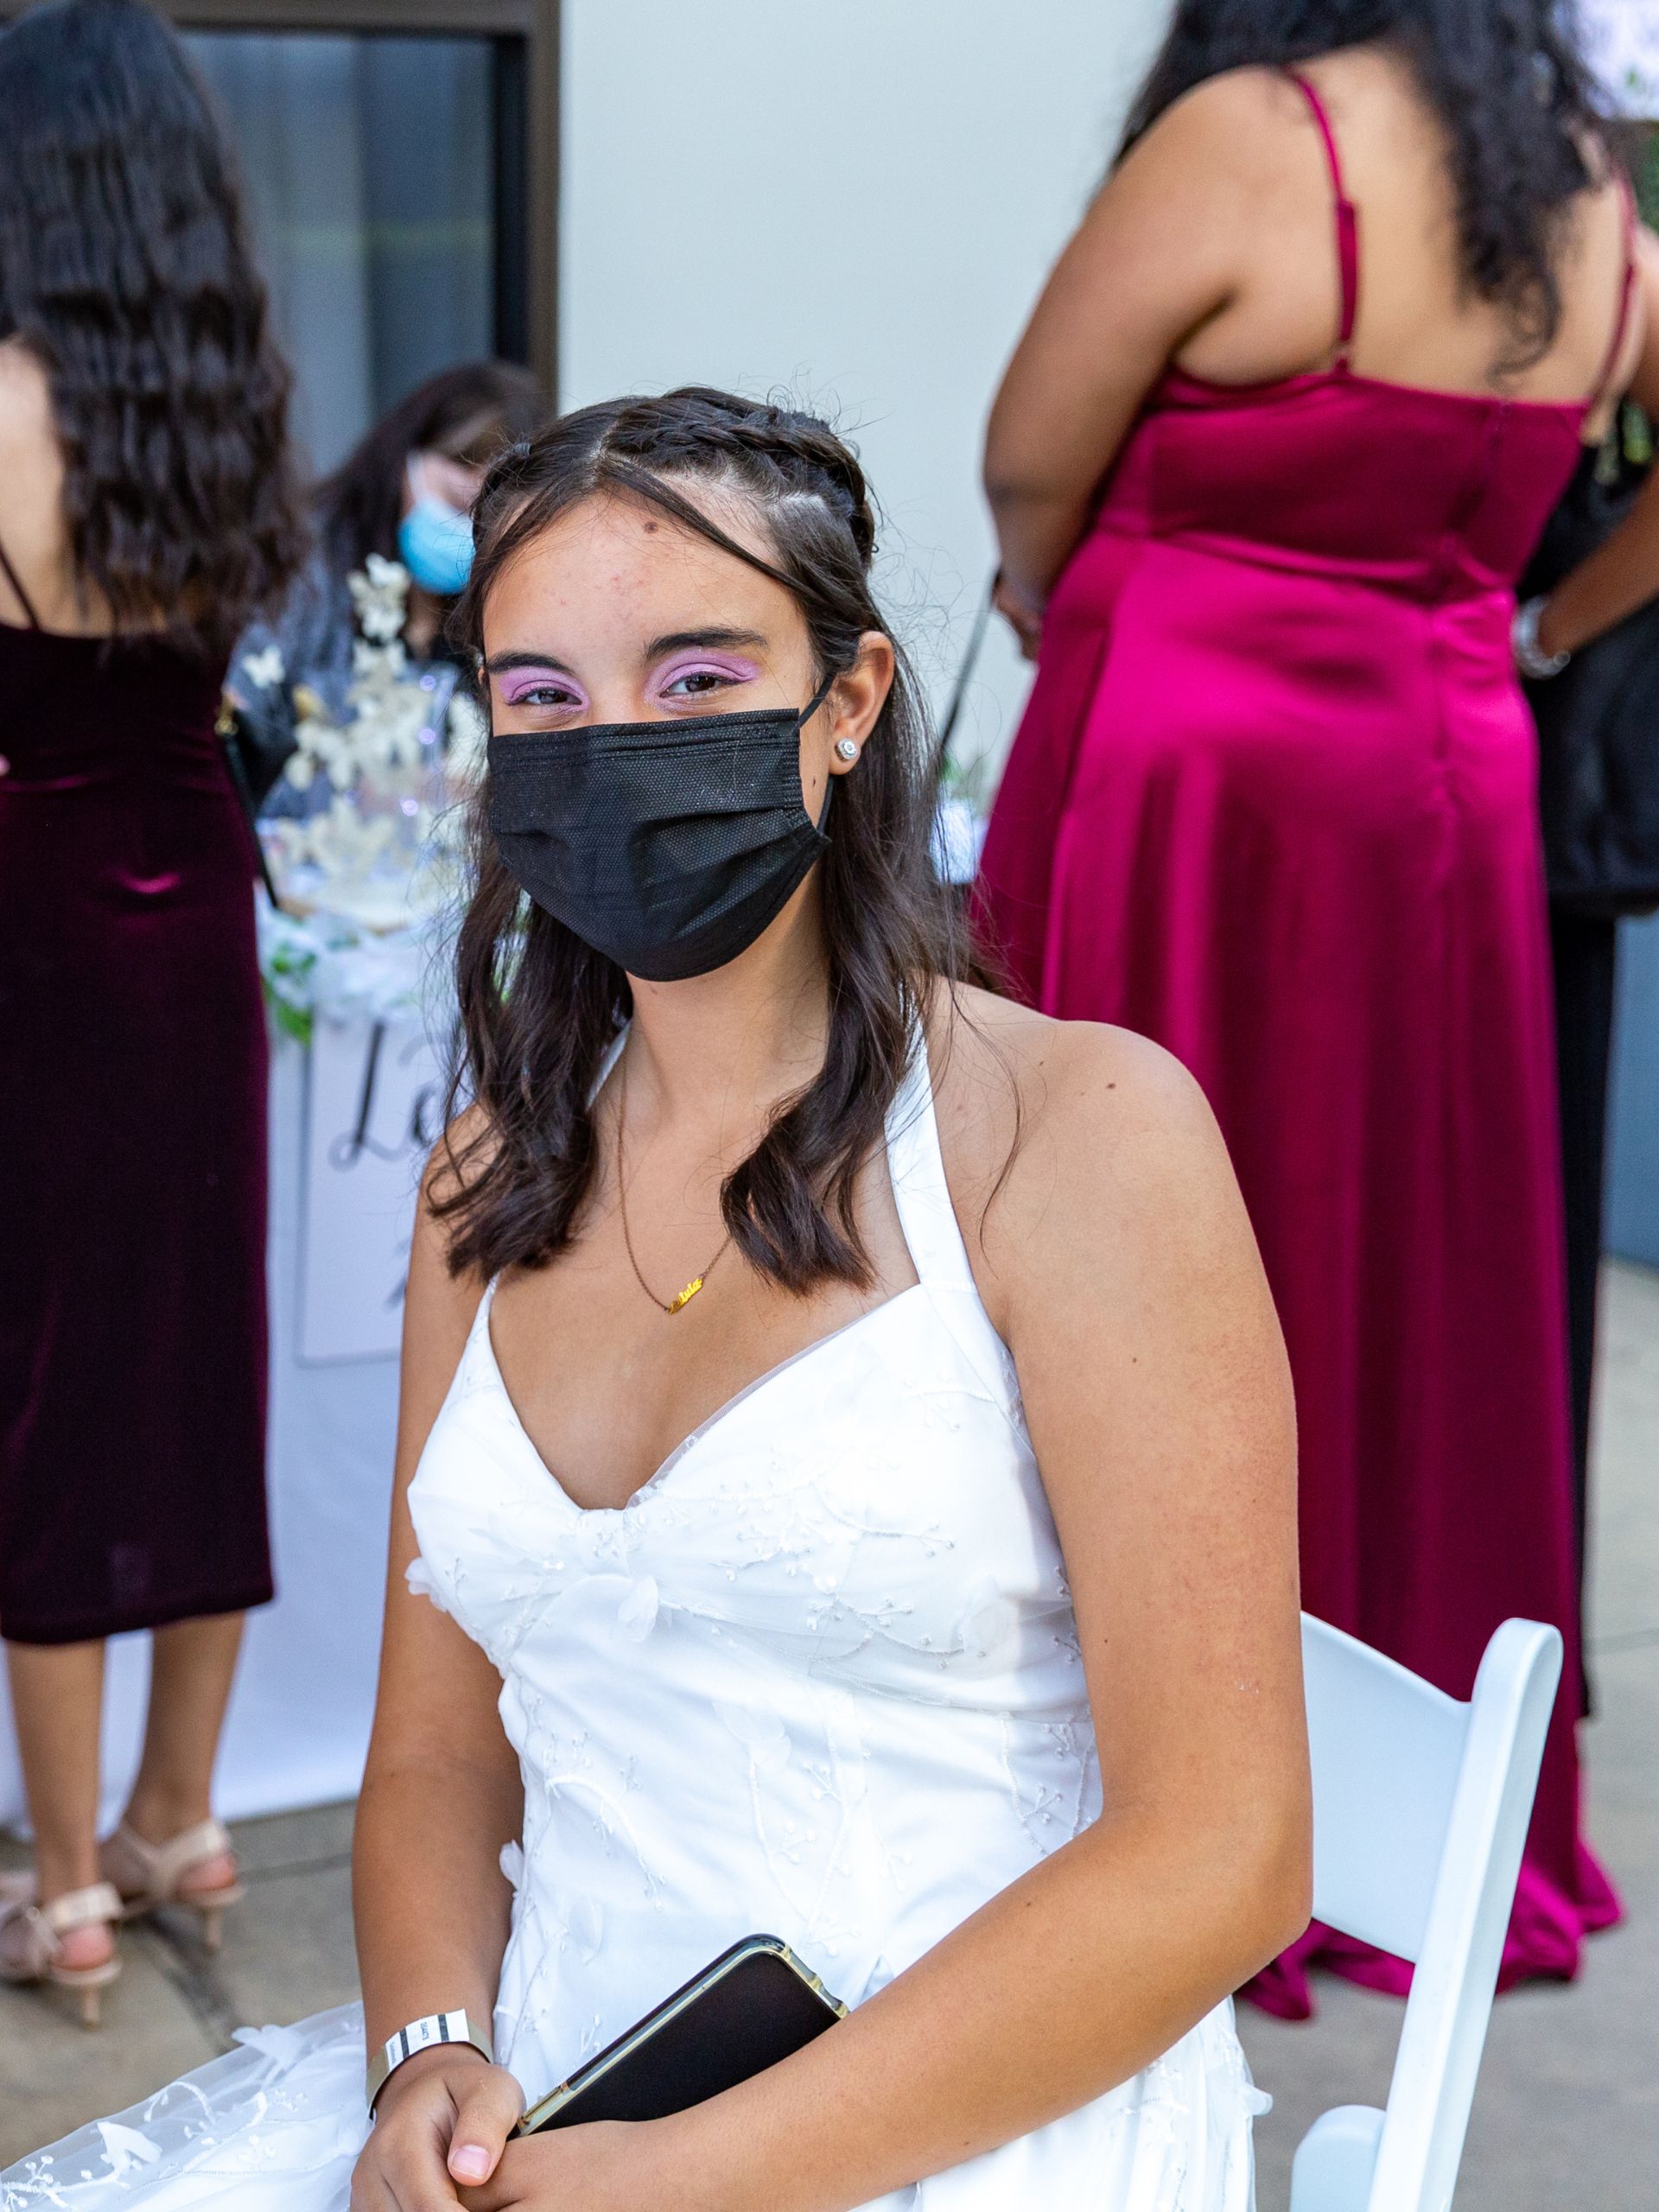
(708, 640)
(499, 663)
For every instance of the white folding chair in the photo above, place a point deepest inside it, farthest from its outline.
(1420, 1807)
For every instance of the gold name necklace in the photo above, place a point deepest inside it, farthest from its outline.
(681, 1298)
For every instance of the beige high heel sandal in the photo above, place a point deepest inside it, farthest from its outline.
(31, 1940)
(151, 1874)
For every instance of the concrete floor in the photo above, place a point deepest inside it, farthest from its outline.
(1568, 2111)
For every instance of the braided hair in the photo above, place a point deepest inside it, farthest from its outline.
(539, 1006)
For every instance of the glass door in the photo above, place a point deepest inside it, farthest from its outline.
(372, 168)
(402, 165)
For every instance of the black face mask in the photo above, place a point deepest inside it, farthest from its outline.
(668, 846)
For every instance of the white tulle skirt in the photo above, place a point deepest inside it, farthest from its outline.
(275, 2125)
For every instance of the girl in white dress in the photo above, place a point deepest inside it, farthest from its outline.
(845, 1483)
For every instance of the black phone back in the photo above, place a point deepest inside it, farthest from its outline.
(753, 2005)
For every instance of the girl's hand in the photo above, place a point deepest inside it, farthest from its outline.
(605, 2166)
(1023, 615)
(440, 2126)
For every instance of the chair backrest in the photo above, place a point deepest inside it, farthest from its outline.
(1420, 1807)
(1386, 1748)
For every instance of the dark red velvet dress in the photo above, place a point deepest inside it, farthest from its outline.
(132, 1149)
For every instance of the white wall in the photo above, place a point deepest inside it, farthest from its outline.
(1624, 39)
(855, 201)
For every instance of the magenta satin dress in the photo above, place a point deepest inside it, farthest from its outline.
(1272, 803)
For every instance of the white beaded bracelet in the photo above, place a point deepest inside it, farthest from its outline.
(423, 2034)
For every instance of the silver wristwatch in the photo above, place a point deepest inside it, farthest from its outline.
(1529, 655)
(423, 2034)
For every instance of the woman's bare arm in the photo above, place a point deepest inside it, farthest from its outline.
(1127, 1282)
(440, 1796)
(1623, 573)
(1154, 258)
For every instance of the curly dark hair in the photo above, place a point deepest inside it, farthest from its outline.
(538, 1006)
(470, 412)
(125, 269)
(1508, 79)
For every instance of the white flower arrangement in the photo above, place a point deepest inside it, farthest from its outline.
(1623, 40)
(365, 871)
(322, 966)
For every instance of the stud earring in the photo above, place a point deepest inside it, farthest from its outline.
(846, 748)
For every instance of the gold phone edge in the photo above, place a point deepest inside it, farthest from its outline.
(542, 2110)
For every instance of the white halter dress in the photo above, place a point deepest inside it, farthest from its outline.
(819, 1677)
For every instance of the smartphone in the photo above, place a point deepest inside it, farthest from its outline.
(750, 2007)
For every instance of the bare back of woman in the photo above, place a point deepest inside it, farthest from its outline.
(1418, 321)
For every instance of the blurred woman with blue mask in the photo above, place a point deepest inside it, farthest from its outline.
(404, 495)
(435, 539)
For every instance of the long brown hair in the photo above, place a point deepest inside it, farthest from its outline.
(539, 1006)
(126, 270)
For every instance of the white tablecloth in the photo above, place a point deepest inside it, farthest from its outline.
(299, 1719)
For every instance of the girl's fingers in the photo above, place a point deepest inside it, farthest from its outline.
(371, 2189)
(486, 2112)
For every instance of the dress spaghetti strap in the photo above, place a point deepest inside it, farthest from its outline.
(927, 1214)
(1347, 219)
(15, 582)
(1627, 292)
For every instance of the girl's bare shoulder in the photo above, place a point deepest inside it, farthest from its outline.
(1034, 1112)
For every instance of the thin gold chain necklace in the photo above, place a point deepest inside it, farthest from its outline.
(681, 1298)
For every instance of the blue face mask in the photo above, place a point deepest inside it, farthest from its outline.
(435, 543)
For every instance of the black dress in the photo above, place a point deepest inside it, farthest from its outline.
(1583, 947)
